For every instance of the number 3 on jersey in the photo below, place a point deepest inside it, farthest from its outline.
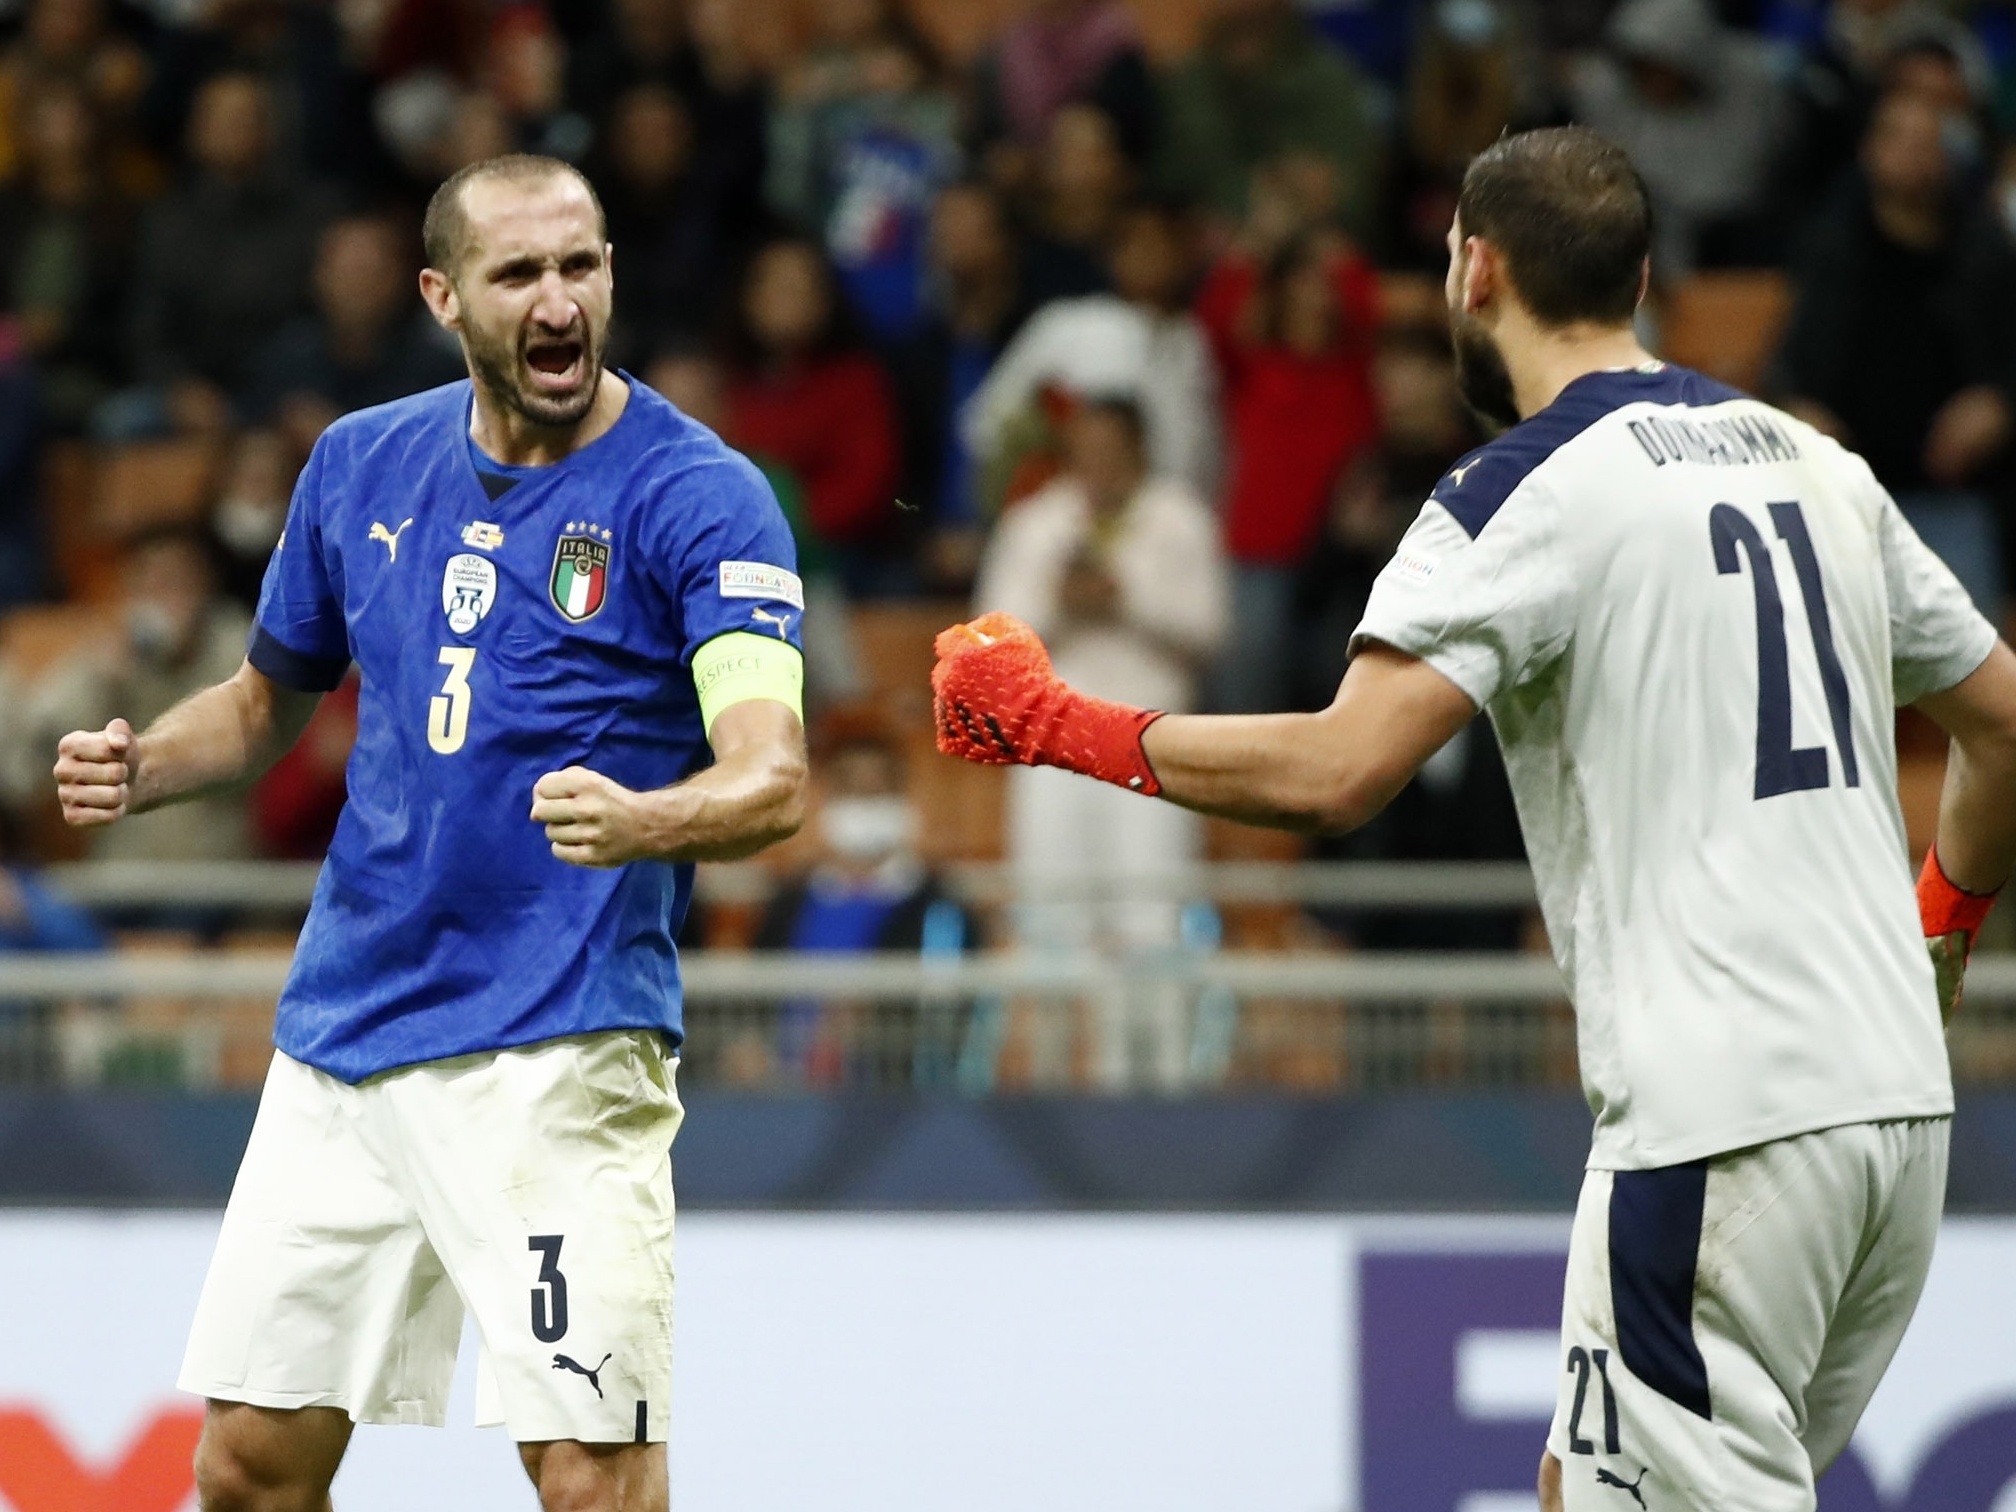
(448, 710)
(1780, 767)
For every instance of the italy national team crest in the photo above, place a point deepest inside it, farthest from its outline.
(581, 571)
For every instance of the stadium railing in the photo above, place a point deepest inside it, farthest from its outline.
(1175, 1018)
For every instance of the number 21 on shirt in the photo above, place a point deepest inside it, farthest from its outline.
(448, 710)
(1780, 767)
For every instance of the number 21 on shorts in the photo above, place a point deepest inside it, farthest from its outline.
(448, 710)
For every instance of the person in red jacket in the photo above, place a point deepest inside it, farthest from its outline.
(1294, 333)
(806, 393)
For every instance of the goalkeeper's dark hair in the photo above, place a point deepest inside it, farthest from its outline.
(444, 234)
(1570, 216)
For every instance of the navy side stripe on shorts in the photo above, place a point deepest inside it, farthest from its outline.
(1655, 1241)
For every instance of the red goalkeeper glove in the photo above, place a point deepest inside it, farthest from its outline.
(1952, 917)
(997, 701)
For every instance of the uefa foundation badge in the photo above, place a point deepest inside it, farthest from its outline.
(581, 570)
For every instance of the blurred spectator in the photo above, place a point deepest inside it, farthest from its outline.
(1703, 113)
(1141, 341)
(804, 391)
(975, 305)
(176, 635)
(1903, 344)
(369, 340)
(319, 93)
(1121, 574)
(1293, 329)
(66, 238)
(1082, 182)
(1261, 87)
(697, 387)
(1424, 428)
(224, 264)
(692, 47)
(525, 71)
(34, 917)
(70, 43)
(865, 890)
(251, 511)
(1840, 78)
(675, 240)
(295, 806)
(862, 136)
(1061, 52)
(1465, 90)
(25, 573)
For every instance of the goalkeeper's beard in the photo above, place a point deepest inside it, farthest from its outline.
(1481, 374)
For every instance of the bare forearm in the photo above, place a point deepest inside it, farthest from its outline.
(1322, 772)
(1977, 814)
(739, 806)
(1977, 807)
(1281, 771)
(215, 739)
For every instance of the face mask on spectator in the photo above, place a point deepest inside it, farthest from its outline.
(1962, 140)
(867, 829)
(153, 630)
(250, 526)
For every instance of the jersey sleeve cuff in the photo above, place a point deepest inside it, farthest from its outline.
(1475, 673)
(291, 668)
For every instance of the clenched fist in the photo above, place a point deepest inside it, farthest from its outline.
(590, 820)
(93, 770)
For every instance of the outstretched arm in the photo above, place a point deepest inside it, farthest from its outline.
(1330, 771)
(214, 739)
(998, 702)
(1976, 848)
(1977, 808)
(752, 797)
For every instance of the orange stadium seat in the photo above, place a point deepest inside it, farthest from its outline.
(1727, 324)
(34, 639)
(147, 483)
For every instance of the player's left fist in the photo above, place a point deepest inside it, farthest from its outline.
(590, 821)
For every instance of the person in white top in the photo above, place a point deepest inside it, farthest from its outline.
(1691, 619)
(1122, 572)
(1141, 340)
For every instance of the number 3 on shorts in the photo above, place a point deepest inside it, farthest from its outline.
(549, 1296)
(448, 710)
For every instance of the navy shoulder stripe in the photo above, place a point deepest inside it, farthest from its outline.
(1477, 487)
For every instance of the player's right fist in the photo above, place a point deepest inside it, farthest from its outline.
(92, 773)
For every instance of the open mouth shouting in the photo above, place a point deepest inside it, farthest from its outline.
(557, 365)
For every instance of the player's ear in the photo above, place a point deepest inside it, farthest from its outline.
(1644, 280)
(442, 301)
(1480, 274)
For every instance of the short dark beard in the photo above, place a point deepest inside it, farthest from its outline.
(496, 372)
(1481, 374)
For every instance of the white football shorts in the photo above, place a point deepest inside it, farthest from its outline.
(1727, 1320)
(533, 1186)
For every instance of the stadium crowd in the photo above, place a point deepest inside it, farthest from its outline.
(1124, 316)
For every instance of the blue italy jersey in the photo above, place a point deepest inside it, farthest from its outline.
(507, 622)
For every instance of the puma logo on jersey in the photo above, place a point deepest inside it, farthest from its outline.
(764, 617)
(564, 1362)
(1458, 474)
(1629, 1488)
(390, 537)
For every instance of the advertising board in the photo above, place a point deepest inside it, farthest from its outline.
(900, 1362)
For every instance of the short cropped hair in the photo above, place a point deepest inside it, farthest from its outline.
(444, 235)
(1571, 217)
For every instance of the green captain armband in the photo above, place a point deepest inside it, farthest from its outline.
(741, 665)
